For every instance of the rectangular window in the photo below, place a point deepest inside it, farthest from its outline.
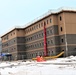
(44, 23)
(50, 20)
(47, 32)
(60, 18)
(61, 29)
(36, 26)
(48, 42)
(40, 44)
(47, 21)
(14, 40)
(50, 31)
(39, 25)
(62, 40)
(51, 41)
(42, 34)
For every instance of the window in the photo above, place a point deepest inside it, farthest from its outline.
(14, 40)
(44, 23)
(47, 32)
(31, 38)
(35, 36)
(62, 40)
(48, 42)
(52, 41)
(61, 29)
(60, 18)
(36, 54)
(35, 45)
(28, 30)
(11, 34)
(39, 25)
(31, 46)
(36, 26)
(25, 31)
(40, 44)
(50, 20)
(32, 55)
(47, 21)
(32, 28)
(48, 52)
(42, 34)
(51, 51)
(27, 39)
(50, 31)
(12, 49)
(39, 35)
(14, 33)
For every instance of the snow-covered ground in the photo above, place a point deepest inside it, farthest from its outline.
(59, 66)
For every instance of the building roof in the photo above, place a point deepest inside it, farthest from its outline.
(50, 12)
(11, 29)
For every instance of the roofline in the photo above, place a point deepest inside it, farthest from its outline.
(14, 28)
(50, 12)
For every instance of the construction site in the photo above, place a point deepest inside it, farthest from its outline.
(52, 35)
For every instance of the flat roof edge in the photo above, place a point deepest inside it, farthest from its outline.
(41, 17)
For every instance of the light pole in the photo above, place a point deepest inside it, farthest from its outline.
(65, 38)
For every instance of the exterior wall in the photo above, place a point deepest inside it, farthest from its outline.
(70, 22)
(49, 21)
(29, 42)
(71, 43)
(13, 43)
(34, 37)
(0, 46)
(67, 30)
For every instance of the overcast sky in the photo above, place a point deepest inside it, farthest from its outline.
(19, 12)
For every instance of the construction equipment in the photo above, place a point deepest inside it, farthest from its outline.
(51, 57)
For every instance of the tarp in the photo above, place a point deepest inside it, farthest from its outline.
(5, 54)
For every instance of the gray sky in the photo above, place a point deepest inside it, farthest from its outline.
(19, 12)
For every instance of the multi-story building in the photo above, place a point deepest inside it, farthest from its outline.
(0, 46)
(14, 43)
(49, 35)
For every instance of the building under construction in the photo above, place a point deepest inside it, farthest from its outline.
(48, 35)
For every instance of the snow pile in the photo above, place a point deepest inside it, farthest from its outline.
(58, 66)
